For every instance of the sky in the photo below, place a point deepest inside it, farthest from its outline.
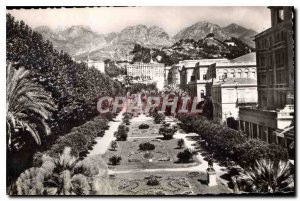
(171, 19)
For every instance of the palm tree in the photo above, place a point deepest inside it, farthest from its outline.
(28, 106)
(267, 176)
(64, 175)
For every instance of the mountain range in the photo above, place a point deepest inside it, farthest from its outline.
(80, 41)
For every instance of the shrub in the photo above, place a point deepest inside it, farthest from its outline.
(62, 175)
(121, 134)
(126, 118)
(230, 143)
(180, 143)
(167, 131)
(114, 145)
(144, 126)
(146, 146)
(115, 160)
(185, 156)
(80, 140)
(152, 180)
(158, 118)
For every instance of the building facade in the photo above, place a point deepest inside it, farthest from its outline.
(148, 71)
(192, 73)
(275, 74)
(99, 65)
(228, 95)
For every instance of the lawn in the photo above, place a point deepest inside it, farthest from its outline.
(163, 156)
(170, 183)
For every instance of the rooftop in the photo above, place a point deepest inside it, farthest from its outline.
(251, 57)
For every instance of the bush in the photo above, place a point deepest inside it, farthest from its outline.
(114, 145)
(152, 180)
(158, 118)
(126, 118)
(146, 146)
(167, 131)
(230, 143)
(185, 156)
(80, 140)
(180, 143)
(121, 134)
(144, 126)
(115, 160)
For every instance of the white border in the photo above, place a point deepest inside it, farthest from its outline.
(3, 5)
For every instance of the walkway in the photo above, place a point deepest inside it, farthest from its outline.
(104, 142)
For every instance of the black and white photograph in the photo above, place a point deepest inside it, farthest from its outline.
(150, 101)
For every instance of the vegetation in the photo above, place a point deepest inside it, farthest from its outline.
(146, 146)
(230, 143)
(126, 118)
(180, 143)
(80, 140)
(185, 49)
(158, 118)
(167, 131)
(144, 126)
(114, 145)
(112, 70)
(266, 176)
(185, 156)
(152, 180)
(63, 175)
(73, 87)
(122, 133)
(115, 160)
(28, 108)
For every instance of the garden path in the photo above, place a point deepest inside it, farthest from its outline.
(104, 142)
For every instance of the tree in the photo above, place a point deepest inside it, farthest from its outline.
(64, 175)
(28, 106)
(266, 176)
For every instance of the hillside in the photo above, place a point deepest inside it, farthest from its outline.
(245, 35)
(79, 41)
(207, 48)
(200, 29)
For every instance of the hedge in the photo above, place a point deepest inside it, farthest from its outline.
(230, 143)
(80, 140)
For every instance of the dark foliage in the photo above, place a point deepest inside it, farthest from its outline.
(122, 133)
(115, 160)
(144, 126)
(146, 146)
(232, 144)
(185, 156)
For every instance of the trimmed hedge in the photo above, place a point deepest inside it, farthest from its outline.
(232, 144)
(80, 140)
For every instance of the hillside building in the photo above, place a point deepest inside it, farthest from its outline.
(148, 72)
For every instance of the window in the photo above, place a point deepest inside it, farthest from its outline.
(193, 78)
(247, 74)
(253, 75)
(280, 15)
(239, 74)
